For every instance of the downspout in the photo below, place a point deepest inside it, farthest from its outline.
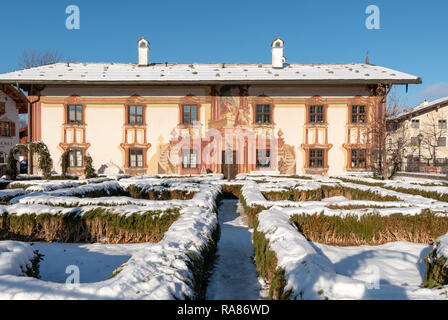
(30, 131)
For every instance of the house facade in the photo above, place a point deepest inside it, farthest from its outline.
(425, 129)
(12, 103)
(167, 118)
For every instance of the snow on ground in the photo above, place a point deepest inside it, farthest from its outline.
(15, 257)
(96, 262)
(398, 263)
(156, 271)
(234, 274)
(310, 274)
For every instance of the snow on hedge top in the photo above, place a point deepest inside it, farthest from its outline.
(15, 257)
(158, 271)
(194, 73)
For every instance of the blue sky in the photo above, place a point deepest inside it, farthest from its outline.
(412, 38)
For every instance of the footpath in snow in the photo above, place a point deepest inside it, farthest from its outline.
(234, 276)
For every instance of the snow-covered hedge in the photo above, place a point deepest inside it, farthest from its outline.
(173, 268)
(18, 259)
(437, 263)
(295, 270)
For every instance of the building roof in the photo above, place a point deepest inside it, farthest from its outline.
(16, 95)
(171, 73)
(424, 106)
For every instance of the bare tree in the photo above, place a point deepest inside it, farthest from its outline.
(389, 140)
(434, 127)
(31, 58)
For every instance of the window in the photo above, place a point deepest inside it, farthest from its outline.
(189, 159)
(441, 142)
(5, 129)
(358, 159)
(263, 113)
(75, 114)
(359, 114)
(135, 115)
(75, 158)
(136, 158)
(189, 114)
(316, 114)
(316, 158)
(442, 124)
(415, 123)
(414, 141)
(263, 158)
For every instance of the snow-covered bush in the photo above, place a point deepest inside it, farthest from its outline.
(437, 264)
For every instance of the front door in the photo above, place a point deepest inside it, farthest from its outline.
(229, 169)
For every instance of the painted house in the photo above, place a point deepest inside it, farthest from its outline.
(12, 103)
(168, 118)
(426, 130)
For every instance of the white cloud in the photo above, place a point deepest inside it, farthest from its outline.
(435, 91)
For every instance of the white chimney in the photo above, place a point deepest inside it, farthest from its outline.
(277, 53)
(143, 52)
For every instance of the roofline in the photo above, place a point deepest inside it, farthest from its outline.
(208, 82)
(427, 108)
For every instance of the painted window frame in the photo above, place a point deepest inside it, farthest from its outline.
(190, 122)
(314, 158)
(358, 156)
(135, 152)
(75, 152)
(190, 164)
(133, 119)
(263, 113)
(75, 121)
(356, 116)
(314, 116)
(260, 158)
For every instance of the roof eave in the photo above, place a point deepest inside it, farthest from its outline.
(186, 82)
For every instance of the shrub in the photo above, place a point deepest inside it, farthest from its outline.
(97, 225)
(371, 229)
(266, 263)
(436, 274)
(89, 171)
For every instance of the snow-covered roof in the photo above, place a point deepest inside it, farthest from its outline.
(167, 73)
(424, 105)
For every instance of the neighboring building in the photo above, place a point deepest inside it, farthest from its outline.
(289, 117)
(12, 103)
(425, 128)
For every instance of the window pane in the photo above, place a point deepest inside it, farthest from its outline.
(72, 158)
(140, 115)
(193, 159)
(186, 114)
(71, 114)
(140, 159)
(78, 158)
(267, 108)
(79, 114)
(132, 115)
(194, 114)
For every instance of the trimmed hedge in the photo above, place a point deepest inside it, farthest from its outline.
(164, 194)
(201, 265)
(436, 274)
(266, 263)
(371, 229)
(416, 192)
(97, 225)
